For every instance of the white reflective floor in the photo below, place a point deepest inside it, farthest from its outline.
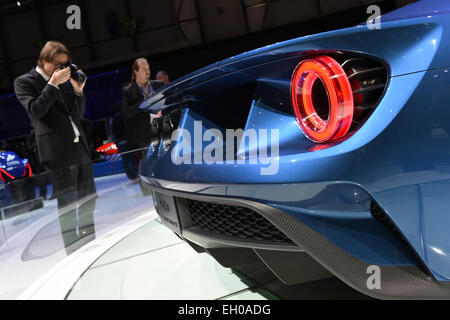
(31, 245)
(130, 256)
(153, 263)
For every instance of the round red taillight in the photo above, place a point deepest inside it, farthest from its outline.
(322, 99)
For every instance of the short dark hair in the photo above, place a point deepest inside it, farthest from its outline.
(50, 50)
(164, 72)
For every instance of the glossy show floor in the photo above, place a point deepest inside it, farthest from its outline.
(128, 255)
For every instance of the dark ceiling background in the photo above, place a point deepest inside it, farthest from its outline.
(178, 35)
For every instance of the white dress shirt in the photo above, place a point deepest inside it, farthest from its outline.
(46, 78)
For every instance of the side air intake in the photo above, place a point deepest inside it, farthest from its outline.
(368, 79)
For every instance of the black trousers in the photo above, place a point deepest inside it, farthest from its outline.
(130, 160)
(74, 187)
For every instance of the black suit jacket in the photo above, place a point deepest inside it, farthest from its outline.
(137, 122)
(49, 109)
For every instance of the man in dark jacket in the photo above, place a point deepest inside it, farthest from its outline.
(136, 121)
(55, 104)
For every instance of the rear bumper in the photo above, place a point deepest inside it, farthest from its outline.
(396, 281)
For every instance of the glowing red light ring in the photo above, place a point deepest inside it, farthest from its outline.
(340, 98)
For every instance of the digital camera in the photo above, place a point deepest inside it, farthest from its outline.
(74, 72)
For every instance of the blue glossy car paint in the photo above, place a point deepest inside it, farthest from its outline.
(108, 168)
(400, 157)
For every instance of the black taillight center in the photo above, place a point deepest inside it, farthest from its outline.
(320, 99)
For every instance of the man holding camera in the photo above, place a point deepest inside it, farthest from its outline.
(52, 94)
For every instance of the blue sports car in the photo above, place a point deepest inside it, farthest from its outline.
(323, 155)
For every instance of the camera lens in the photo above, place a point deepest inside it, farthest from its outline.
(75, 74)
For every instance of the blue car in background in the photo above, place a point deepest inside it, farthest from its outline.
(12, 167)
(17, 186)
(323, 155)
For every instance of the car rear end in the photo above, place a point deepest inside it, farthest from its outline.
(348, 172)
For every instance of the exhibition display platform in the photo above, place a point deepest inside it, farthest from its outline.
(131, 255)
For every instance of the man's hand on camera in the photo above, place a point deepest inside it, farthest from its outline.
(77, 86)
(60, 76)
